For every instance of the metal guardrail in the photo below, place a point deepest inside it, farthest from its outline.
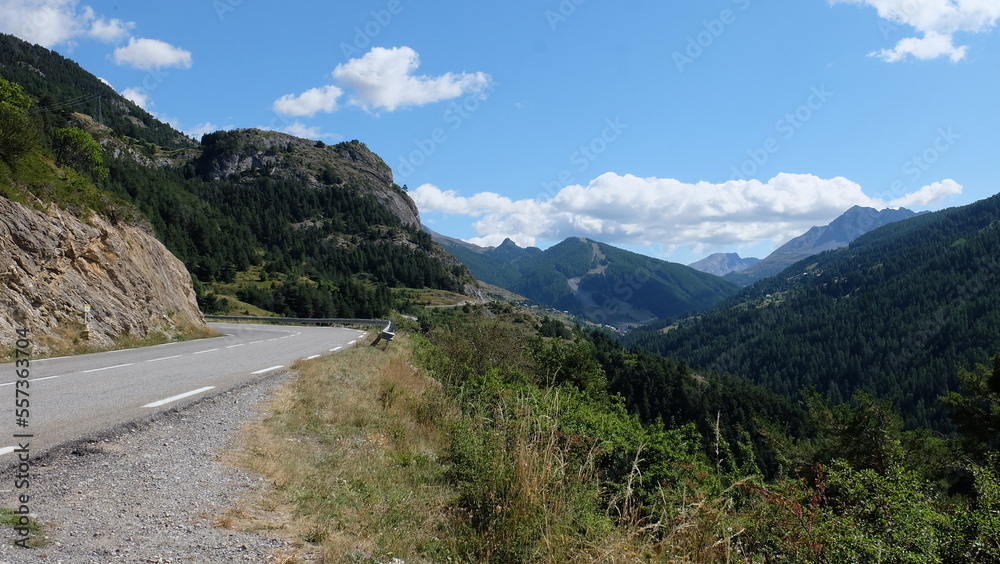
(387, 333)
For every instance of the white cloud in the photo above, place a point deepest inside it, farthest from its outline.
(665, 212)
(299, 129)
(110, 31)
(53, 22)
(150, 54)
(323, 99)
(931, 46)
(302, 130)
(208, 127)
(937, 20)
(139, 96)
(383, 78)
(929, 195)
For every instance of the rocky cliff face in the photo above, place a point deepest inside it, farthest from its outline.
(282, 156)
(52, 265)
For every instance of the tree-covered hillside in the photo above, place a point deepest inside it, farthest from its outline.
(599, 282)
(61, 87)
(894, 314)
(316, 230)
(574, 449)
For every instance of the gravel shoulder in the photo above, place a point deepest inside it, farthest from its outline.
(153, 491)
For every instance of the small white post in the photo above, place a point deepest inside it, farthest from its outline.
(86, 321)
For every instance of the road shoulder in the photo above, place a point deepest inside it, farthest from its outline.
(157, 491)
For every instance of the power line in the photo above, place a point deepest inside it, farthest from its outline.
(67, 103)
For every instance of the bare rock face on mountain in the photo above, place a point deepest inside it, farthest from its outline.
(52, 265)
(282, 156)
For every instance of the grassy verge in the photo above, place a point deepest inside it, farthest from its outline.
(35, 539)
(374, 460)
(68, 341)
(354, 445)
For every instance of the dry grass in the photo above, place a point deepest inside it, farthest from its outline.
(352, 445)
(67, 340)
(439, 298)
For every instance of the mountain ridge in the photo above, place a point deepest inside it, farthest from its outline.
(259, 218)
(847, 227)
(894, 314)
(721, 264)
(602, 283)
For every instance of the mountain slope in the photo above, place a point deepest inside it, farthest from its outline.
(849, 226)
(894, 313)
(61, 87)
(600, 282)
(311, 229)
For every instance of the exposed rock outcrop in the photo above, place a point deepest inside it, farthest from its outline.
(228, 154)
(52, 265)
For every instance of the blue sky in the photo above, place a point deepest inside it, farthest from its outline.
(675, 129)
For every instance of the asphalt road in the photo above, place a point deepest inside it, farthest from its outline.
(73, 398)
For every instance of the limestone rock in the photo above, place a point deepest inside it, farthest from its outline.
(52, 265)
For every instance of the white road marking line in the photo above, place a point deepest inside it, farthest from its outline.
(268, 369)
(336, 349)
(7, 450)
(164, 358)
(208, 351)
(255, 342)
(352, 342)
(234, 346)
(274, 339)
(48, 359)
(106, 368)
(179, 396)
(312, 357)
(32, 380)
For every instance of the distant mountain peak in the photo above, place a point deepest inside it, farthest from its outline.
(721, 264)
(850, 225)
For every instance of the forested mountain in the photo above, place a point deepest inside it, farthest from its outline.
(849, 226)
(895, 314)
(721, 264)
(324, 229)
(61, 87)
(602, 283)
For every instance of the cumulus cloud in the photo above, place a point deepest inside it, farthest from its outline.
(937, 20)
(323, 99)
(668, 213)
(109, 31)
(137, 95)
(150, 54)
(383, 78)
(53, 22)
(929, 195)
(299, 129)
